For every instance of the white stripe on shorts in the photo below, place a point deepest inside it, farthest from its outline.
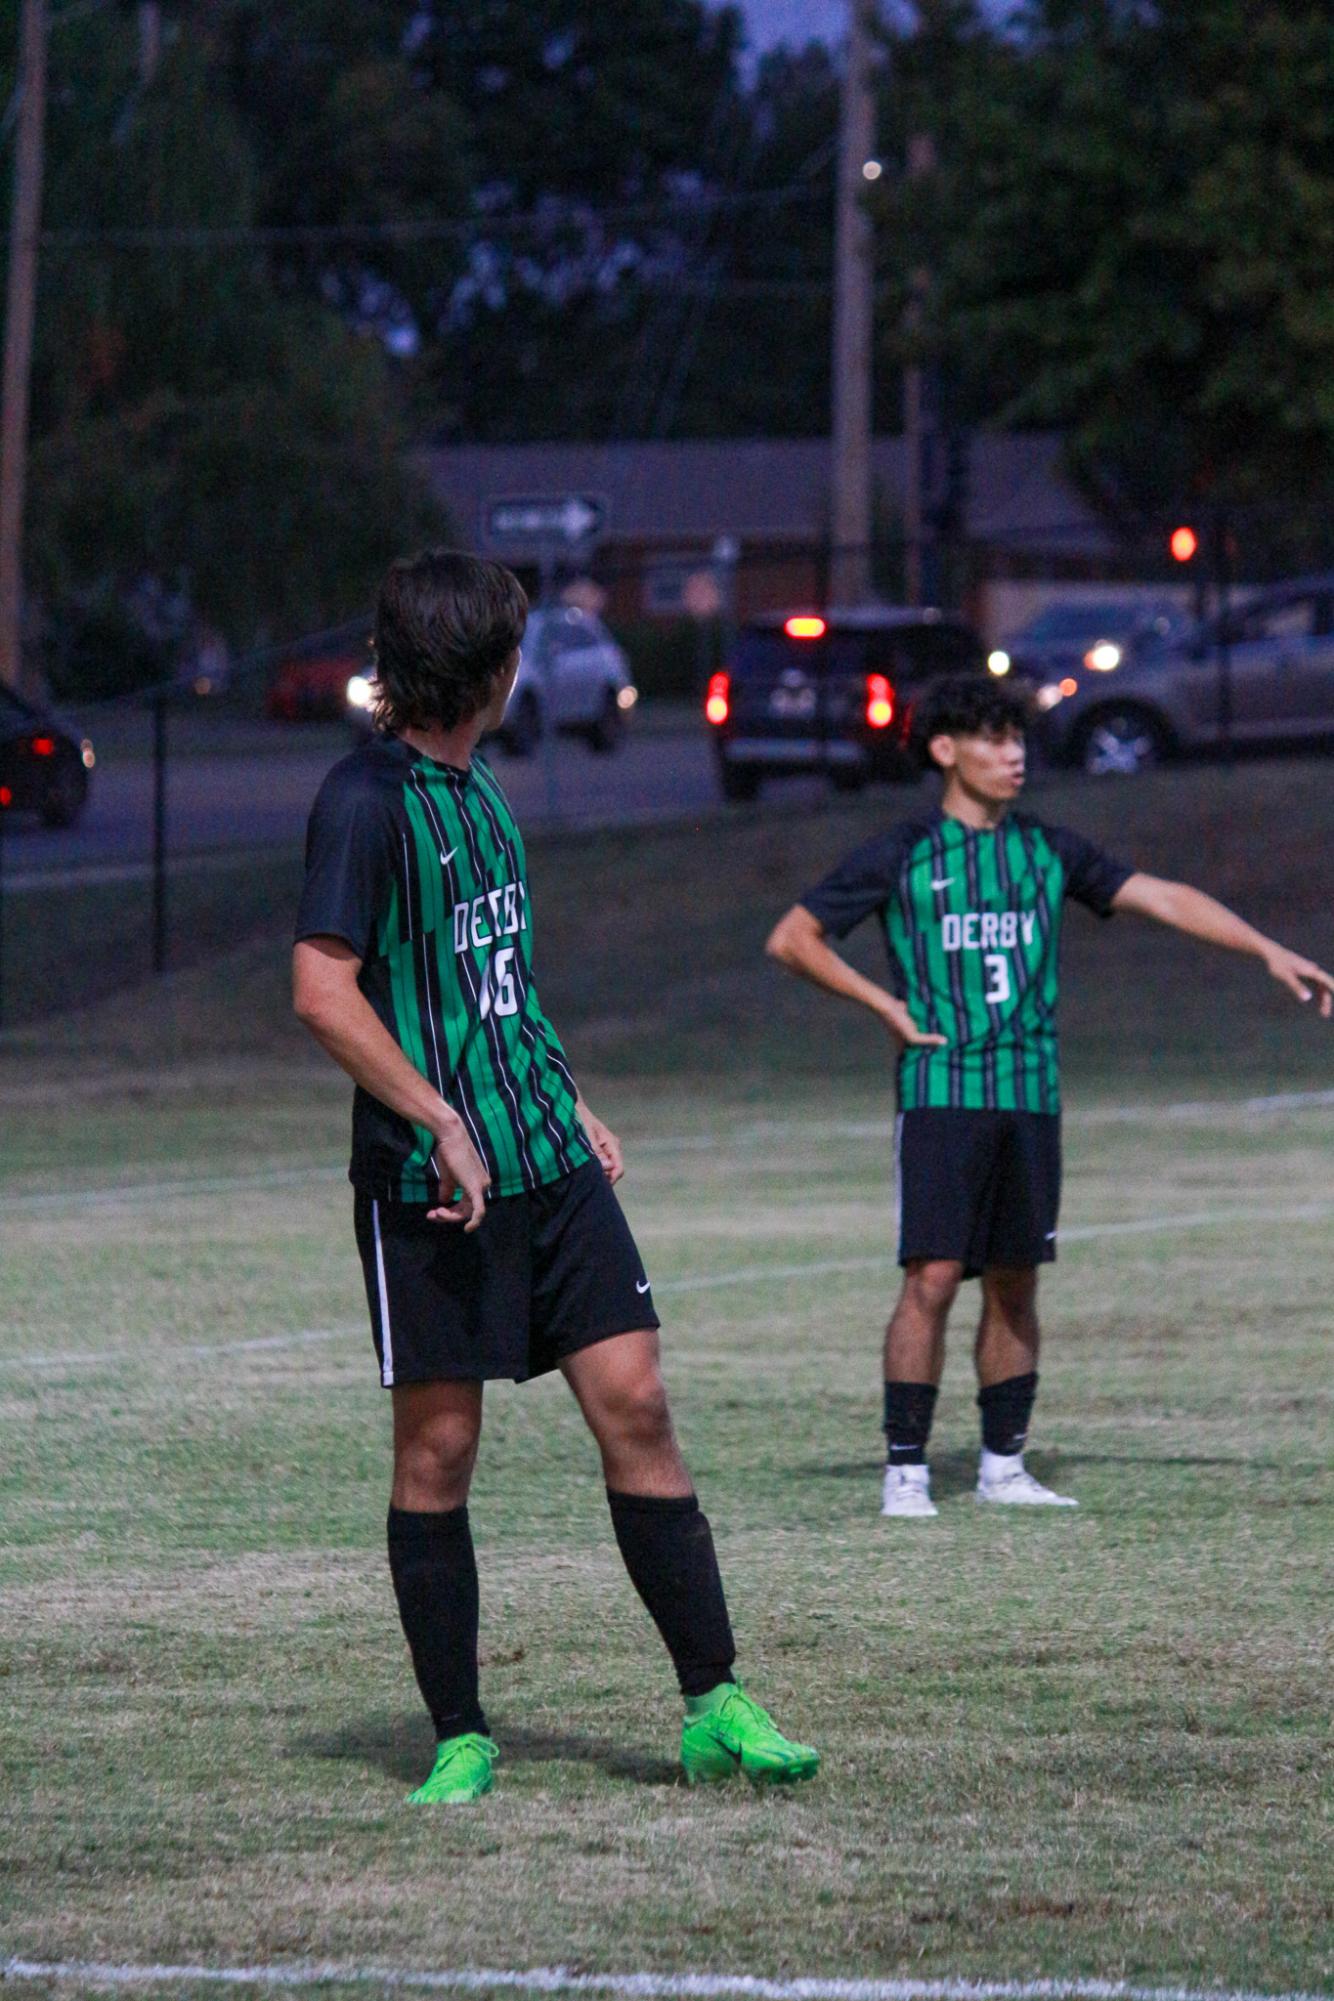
(898, 1186)
(386, 1338)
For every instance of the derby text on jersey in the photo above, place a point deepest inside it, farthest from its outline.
(972, 919)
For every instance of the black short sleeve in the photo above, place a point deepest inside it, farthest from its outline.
(349, 862)
(861, 884)
(1092, 877)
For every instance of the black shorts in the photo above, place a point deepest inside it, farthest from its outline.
(547, 1273)
(980, 1187)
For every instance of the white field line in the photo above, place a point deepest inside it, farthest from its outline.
(307, 1337)
(641, 1986)
(134, 1192)
(1142, 1226)
(762, 1134)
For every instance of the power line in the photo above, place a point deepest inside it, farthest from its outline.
(203, 237)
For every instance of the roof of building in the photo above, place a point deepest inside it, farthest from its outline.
(760, 489)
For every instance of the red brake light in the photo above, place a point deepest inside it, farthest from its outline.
(43, 746)
(6, 796)
(879, 702)
(805, 628)
(718, 703)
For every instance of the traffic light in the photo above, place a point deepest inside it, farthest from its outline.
(1184, 543)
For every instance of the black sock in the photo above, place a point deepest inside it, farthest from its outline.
(668, 1550)
(434, 1570)
(909, 1409)
(1006, 1408)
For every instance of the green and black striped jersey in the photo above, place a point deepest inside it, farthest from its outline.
(420, 868)
(972, 919)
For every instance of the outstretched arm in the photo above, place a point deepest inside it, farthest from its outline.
(1200, 916)
(798, 942)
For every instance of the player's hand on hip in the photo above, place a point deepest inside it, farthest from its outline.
(1301, 977)
(901, 1025)
(604, 1144)
(460, 1167)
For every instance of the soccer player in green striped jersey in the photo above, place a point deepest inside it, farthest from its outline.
(970, 900)
(491, 1242)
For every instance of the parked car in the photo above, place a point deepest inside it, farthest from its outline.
(44, 762)
(1094, 633)
(312, 687)
(1168, 698)
(573, 677)
(830, 692)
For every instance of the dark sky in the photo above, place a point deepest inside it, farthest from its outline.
(793, 20)
(797, 21)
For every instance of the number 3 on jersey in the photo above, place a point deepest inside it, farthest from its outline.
(998, 979)
(498, 995)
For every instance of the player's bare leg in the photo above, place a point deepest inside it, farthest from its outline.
(619, 1388)
(1007, 1360)
(914, 1362)
(437, 1427)
(1007, 1333)
(667, 1546)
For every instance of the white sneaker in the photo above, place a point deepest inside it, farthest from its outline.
(908, 1491)
(1007, 1481)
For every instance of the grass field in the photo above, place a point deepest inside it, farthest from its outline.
(1088, 1745)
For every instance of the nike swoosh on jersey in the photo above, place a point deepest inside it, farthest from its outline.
(445, 860)
(942, 882)
(645, 1287)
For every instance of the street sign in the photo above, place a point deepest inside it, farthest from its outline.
(540, 520)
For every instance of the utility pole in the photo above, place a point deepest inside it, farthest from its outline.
(24, 224)
(850, 524)
(919, 413)
(150, 41)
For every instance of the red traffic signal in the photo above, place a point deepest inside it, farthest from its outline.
(1184, 544)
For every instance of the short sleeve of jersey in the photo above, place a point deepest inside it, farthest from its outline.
(1092, 877)
(349, 862)
(862, 883)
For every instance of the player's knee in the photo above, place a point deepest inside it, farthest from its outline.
(435, 1465)
(1013, 1291)
(639, 1411)
(933, 1284)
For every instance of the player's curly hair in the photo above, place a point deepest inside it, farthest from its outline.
(967, 705)
(445, 624)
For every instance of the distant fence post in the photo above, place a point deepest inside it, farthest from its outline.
(1223, 581)
(2, 915)
(546, 675)
(160, 831)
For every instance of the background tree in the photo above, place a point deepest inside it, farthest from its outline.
(1130, 231)
(211, 447)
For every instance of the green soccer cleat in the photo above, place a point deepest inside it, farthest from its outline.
(726, 1732)
(462, 1772)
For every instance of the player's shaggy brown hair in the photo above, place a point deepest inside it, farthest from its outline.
(445, 625)
(967, 705)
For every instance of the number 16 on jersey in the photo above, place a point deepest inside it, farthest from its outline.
(499, 994)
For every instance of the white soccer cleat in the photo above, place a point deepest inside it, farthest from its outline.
(908, 1491)
(1011, 1485)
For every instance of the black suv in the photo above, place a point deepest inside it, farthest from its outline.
(44, 766)
(831, 693)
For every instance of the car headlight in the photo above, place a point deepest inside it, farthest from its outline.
(88, 754)
(627, 697)
(1103, 657)
(361, 692)
(1056, 691)
(999, 662)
